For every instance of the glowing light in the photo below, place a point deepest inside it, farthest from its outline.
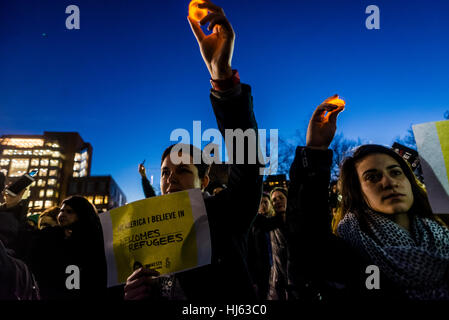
(22, 143)
(337, 101)
(196, 13)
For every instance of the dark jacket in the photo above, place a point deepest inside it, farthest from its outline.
(16, 280)
(322, 266)
(267, 257)
(230, 213)
(51, 253)
(148, 190)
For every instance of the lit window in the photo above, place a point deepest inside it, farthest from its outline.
(41, 183)
(23, 143)
(76, 166)
(4, 171)
(35, 162)
(18, 167)
(57, 194)
(83, 173)
(54, 163)
(90, 198)
(50, 192)
(38, 204)
(33, 184)
(77, 157)
(30, 204)
(56, 154)
(7, 152)
(48, 204)
(41, 193)
(44, 162)
(38, 152)
(53, 173)
(43, 172)
(98, 199)
(28, 152)
(105, 199)
(76, 174)
(51, 182)
(4, 162)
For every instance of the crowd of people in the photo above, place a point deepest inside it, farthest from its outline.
(312, 242)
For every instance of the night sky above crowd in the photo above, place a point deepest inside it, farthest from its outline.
(133, 72)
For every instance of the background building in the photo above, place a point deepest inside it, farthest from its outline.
(273, 181)
(102, 191)
(58, 157)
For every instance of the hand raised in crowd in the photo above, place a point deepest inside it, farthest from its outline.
(322, 126)
(12, 201)
(218, 47)
(142, 170)
(142, 284)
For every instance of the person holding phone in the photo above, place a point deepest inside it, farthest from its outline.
(146, 185)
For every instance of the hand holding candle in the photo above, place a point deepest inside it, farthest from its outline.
(323, 123)
(216, 48)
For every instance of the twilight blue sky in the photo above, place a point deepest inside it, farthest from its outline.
(133, 72)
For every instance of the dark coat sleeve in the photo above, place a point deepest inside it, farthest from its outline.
(147, 188)
(238, 203)
(316, 255)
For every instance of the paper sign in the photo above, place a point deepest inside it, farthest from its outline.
(169, 233)
(432, 140)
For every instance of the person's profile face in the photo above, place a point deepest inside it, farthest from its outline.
(264, 206)
(67, 216)
(279, 201)
(179, 177)
(384, 185)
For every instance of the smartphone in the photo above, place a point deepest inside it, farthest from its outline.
(23, 182)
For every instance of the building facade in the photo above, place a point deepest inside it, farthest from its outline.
(102, 191)
(58, 157)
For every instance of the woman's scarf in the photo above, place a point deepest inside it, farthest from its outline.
(417, 261)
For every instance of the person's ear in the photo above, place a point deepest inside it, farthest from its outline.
(205, 182)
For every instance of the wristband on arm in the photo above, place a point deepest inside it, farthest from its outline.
(226, 84)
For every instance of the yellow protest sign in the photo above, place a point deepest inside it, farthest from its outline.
(432, 140)
(168, 233)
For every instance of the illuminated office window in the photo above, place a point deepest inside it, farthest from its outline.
(54, 163)
(41, 183)
(98, 199)
(53, 173)
(83, 173)
(77, 157)
(56, 154)
(18, 167)
(41, 193)
(35, 162)
(30, 204)
(44, 162)
(105, 201)
(51, 182)
(33, 184)
(43, 172)
(48, 203)
(76, 174)
(91, 199)
(76, 166)
(23, 142)
(38, 152)
(7, 152)
(38, 204)
(50, 192)
(4, 162)
(4, 171)
(28, 152)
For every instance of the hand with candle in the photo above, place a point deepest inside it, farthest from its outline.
(216, 48)
(322, 126)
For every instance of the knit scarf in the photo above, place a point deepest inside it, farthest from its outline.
(417, 261)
